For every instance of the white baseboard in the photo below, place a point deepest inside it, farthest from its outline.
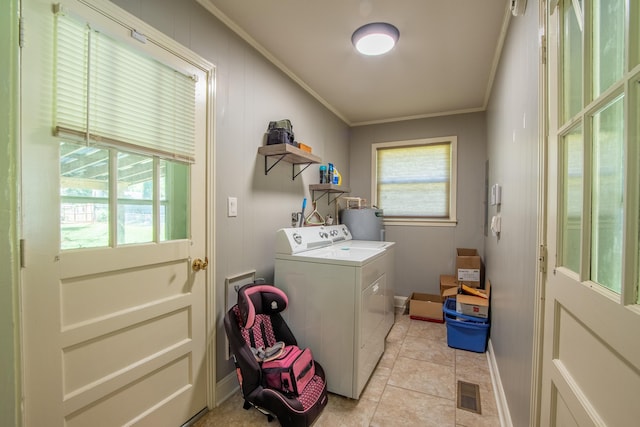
(226, 387)
(400, 301)
(501, 398)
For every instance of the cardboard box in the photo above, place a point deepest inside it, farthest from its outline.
(304, 147)
(426, 307)
(447, 282)
(469, 304)
(473, 305)
(468, 267)
(450, 293)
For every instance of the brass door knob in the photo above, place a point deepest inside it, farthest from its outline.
(198, 264)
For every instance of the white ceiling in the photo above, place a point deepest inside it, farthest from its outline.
(444, 61)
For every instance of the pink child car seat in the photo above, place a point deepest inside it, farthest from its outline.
(256, 330)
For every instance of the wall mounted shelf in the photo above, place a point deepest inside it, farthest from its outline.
(327, 190)
(287, 153)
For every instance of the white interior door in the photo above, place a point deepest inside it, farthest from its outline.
(591, 357)
(113, 314)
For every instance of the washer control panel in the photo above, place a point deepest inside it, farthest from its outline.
(299, 239)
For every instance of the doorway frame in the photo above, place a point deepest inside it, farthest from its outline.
(11, 362)
(543, 261)
(187, 54)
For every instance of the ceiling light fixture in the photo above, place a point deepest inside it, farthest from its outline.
(375, 38)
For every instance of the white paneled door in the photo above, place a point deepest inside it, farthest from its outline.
(113, 311)
(591, 357)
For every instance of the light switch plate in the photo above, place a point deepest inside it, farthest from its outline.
(232, 206)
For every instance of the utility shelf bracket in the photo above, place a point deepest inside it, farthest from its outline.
(289, 154)
(302, 169)
(327, 190)
(268, 168)
(326, 193)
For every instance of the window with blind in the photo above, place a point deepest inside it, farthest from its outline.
(126, 125)
(414, 181)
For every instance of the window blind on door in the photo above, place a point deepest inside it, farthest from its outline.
(108, 93)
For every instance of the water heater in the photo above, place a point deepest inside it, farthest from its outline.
(364, 224)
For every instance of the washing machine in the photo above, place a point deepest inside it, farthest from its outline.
(341, 295)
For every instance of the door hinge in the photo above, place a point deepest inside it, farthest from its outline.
(22, 255)
(21, 32)
(542, 259)
(543, 49)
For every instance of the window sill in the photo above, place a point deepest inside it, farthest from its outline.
(420, 222)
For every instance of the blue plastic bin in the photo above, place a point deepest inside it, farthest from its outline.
(465, 332)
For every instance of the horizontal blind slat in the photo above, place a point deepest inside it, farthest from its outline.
(71, 75)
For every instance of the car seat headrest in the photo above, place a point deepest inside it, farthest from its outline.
(259, 299)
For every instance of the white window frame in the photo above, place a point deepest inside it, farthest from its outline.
(451, 221)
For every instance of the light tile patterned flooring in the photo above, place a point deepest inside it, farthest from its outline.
(414, 384)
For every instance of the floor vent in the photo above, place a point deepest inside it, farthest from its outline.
(469, 397)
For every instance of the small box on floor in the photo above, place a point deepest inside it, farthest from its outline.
(426, 307)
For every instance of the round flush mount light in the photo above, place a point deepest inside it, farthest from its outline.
(375, 38)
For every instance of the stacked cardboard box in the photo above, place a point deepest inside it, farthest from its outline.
(468, 273)
(468, 325)
(465, 285)
(472, 304)
(448, 282)
(468, 267)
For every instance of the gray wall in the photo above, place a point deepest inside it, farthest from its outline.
(250, 92)
(9, 344)
(424, 253)
(512, 129)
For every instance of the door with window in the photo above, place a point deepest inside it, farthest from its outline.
(591, 356)
(114, 172)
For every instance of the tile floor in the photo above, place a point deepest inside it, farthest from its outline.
(414, 384)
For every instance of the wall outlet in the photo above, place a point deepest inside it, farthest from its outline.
(232, 206)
